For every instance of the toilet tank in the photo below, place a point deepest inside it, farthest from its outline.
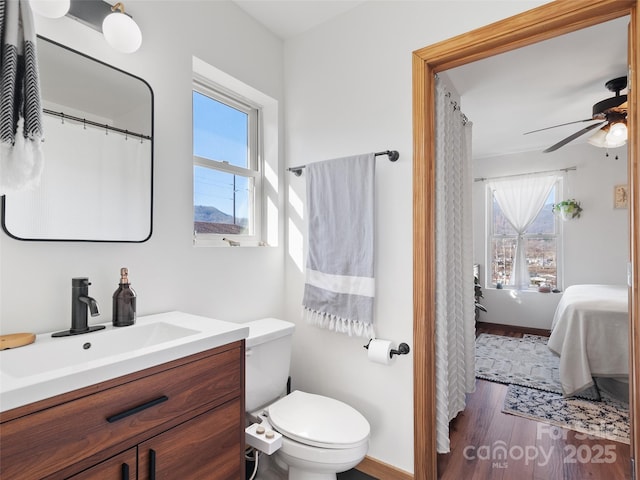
(268, 358)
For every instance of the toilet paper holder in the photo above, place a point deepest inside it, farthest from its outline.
(403, 349)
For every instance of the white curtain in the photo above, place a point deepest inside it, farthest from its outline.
(455, 322)
(105, 171)
(521, 199)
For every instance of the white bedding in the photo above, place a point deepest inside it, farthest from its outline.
(590, 333)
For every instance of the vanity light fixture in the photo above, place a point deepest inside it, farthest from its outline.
(120, 31)
(118, 28)
(50, 8)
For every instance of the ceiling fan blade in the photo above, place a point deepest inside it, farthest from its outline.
(561, 125)
(573, 137)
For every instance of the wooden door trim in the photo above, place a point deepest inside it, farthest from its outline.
(547, 21)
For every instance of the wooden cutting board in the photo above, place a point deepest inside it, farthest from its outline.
(15, 340)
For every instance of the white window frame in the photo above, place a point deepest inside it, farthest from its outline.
(255, 160)
(558, 186)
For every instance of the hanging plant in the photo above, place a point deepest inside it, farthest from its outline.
(567, 209)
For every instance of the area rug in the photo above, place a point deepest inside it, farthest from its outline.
(525, 361)
(607, 418)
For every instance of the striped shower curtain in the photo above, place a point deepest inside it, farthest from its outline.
(455, 325)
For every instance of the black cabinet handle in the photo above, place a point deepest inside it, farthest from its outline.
(152, 464)
(139, 408)
(125, 471)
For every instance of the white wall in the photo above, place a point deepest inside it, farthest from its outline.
(167, 271)
(348, 91)
(596, 246)
(529, 309)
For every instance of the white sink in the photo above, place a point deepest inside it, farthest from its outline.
(78, 350)
(51, 366)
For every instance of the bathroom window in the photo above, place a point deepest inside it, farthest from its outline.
(227, 175)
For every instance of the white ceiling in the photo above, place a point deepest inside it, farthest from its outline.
(545, 84)
(288, 18)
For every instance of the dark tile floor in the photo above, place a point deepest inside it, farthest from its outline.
(355, 475)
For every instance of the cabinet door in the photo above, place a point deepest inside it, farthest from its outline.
(208, 446)
(121, 467)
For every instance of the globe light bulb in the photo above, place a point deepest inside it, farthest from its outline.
(50, 8)
(120, 31)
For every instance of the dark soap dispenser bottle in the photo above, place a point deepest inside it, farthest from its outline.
(124, 302)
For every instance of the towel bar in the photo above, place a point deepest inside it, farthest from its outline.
(393, 156)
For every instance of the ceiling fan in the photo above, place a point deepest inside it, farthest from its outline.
(612, 116)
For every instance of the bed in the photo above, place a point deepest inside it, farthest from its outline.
(590, 333)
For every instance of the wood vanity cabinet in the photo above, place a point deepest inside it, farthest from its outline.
(179, 420)
(121, 467)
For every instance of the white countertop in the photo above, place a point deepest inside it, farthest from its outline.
(52, 366)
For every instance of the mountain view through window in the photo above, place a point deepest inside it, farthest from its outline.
(541, 240)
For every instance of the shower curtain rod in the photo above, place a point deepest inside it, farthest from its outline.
(393, 156)
(84, 121)
(482, 179)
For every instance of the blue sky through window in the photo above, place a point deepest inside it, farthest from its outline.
(220, 133)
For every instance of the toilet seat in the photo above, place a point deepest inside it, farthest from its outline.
(318, 421)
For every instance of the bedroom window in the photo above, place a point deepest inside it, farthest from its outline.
(541, 240)
(227, 175)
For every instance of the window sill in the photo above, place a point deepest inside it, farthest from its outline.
(223, 242)
(511, 289)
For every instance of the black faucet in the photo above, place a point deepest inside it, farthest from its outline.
(80, 302)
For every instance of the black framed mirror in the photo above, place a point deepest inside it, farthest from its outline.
(97, 181)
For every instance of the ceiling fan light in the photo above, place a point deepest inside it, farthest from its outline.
(603, 139)
(598, 139)
(617, 132)
(121, 31)
(51, 8)
(615, 144)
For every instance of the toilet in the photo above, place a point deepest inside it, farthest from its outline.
(321, 436)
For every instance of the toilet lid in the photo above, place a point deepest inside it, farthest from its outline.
(318, 421)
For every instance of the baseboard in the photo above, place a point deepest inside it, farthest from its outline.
(513, 328)
(381, 470)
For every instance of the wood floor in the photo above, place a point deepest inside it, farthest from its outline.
(535, 450)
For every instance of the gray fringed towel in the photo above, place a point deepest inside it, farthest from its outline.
(340, 285)
(20, 105)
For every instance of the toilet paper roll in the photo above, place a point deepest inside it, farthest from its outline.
(380, 351)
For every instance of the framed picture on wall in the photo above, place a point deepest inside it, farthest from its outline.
(620, 196)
